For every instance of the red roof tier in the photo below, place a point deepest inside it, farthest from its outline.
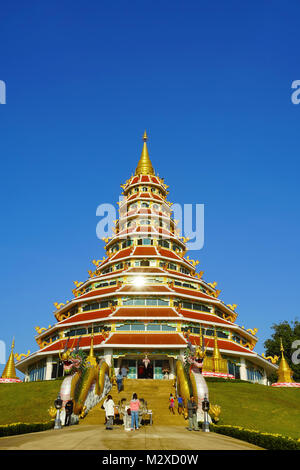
(222, 344)
(147, 339)
(85, 341)
(203, 317)
(151, 312)
(87, 316)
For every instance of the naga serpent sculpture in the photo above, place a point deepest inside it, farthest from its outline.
(86, 381)
(189, 378)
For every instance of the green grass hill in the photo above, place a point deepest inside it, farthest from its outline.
(248, 405)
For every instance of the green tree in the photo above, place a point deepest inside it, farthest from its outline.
(289, 332)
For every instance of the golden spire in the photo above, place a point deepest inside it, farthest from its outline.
(216, 353)
(201, 351)
(9, 370)
(284, 371)
(91, 360)
(144, 165)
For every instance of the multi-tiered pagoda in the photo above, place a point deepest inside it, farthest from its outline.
(145, 301)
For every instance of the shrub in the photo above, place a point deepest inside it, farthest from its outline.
(261, 439)
(23, 428)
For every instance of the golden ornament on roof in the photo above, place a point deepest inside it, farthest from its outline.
(18, 357)
(57, 305)
(253, 332)
(78, 284)
(273, 359)
(232, 307)
(212, 284)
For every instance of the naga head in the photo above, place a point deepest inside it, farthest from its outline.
(72, 359)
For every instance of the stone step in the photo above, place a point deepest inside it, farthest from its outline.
(155, 392)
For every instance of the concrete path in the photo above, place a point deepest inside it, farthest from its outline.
(95, 437)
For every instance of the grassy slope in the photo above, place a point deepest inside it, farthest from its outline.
(27, 402)
(248, 405)
(258, 407)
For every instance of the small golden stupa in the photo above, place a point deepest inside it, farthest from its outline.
(9, 374)
(285, 373)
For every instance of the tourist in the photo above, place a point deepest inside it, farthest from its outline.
(124, 371)
(134, 408)
(171, 403)
(69, 411)
(180, 404)
(141, 371)
(192, 414)
(119, 381)
(109, 407)
(141, 411)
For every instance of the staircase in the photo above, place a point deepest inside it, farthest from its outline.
(155, 392)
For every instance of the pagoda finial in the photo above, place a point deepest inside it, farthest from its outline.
(10, 370)
(217, 358)
(284, 371)
(91, 360)
(144, 165)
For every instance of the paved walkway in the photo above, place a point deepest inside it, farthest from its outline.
(95, 437)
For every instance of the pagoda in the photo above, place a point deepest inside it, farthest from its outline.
(145, 301)
(285, 373)
(9, 373)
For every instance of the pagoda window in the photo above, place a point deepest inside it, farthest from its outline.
(147, 241)
(209, 332)
(172, 266)
(153, 327)
(236, 338)
(145, 222)
(168, 328)
(153, 190)
(144, 189)
(136, 190)
(190, 286)
(137, 263)
(133, 206)
(137, 327)
(122, 327)
(119, 266)
(81, 331)
(126, 243)
(151, 302)
(145, 204)
(164, 243)
(106, 271)
(145, 262)
(156, 206)
(37, 371)
(162, 302)
(223, 334)
(184, 271)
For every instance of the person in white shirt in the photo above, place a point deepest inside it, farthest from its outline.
(109, 407)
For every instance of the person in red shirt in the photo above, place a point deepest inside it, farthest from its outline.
(171, 403)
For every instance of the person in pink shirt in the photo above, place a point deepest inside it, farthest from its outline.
(134, 408)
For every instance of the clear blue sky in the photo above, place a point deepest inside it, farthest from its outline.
(211, 83)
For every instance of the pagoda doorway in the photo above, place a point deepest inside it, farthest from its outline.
(144, 372)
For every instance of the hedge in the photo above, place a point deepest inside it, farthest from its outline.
(23, 428)
(265, 440)
(222, 379)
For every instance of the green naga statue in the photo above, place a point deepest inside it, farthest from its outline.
(86, 381)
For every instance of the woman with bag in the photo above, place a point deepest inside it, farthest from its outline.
(109, 407)
(134, 408)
